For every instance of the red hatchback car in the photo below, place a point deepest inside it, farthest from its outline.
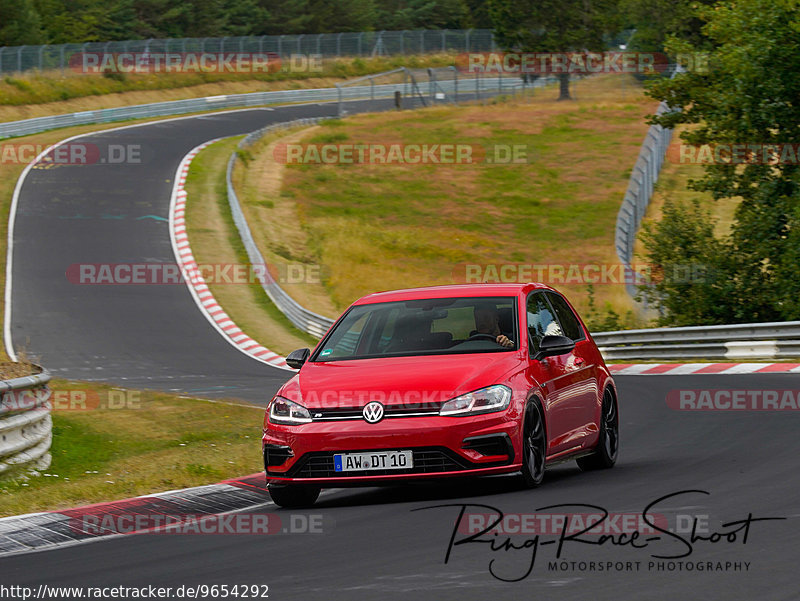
(440, 382)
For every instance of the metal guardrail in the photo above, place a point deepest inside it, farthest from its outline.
(25, 423)
(769, 340)
(302, 318)
(211, 103)
(18, 59)
(640, 190)
(637, 197)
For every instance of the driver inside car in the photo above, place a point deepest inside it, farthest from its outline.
(487, 321)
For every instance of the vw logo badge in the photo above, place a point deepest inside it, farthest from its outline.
(373, 412)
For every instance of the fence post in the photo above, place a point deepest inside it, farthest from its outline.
(41, 57)
(319, 43)
(261, 44)
(2, 49)
(360, 39)
(280, 46)
(19, 58)
(339, 44)
(299, 50)
(444, 40)
(466, 40)
(61, 59)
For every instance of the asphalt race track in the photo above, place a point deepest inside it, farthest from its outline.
(373, 544)
(146, 336)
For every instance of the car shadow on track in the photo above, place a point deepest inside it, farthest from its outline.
(461, 488)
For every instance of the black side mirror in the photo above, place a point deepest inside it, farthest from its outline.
(554, 345)
(297, 358)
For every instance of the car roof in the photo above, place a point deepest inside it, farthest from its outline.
(456, 290)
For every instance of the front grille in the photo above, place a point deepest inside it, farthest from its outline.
(426, 461)
(345, 413)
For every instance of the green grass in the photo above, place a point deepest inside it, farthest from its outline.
(157, 442)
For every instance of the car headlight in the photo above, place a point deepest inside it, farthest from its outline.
(284, 411)
(485, 400)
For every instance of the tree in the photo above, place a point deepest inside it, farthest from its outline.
(748, 95)
(557, 26)
(654, 21)
(19, 23)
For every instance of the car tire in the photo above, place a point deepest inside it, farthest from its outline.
(534, 446)
(607, 449)
(294, 496)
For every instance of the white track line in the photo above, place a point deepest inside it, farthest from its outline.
(12, 215)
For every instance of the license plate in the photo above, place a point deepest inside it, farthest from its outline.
(378, 460)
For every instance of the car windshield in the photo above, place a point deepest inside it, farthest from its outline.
(423, 327)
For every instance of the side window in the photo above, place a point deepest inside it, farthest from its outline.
(569, 323)
(541, 321)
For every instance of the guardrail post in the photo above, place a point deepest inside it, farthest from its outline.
(372, 89)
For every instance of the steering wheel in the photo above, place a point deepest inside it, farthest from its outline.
(480, 336)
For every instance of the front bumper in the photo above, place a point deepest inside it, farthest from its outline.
(441, 447)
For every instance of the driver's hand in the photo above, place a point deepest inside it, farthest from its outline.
(503, 340)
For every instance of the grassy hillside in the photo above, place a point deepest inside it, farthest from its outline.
(377, 226)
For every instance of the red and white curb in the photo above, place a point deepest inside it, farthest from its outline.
(46, 530)
(682, 369)
(194, 279)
